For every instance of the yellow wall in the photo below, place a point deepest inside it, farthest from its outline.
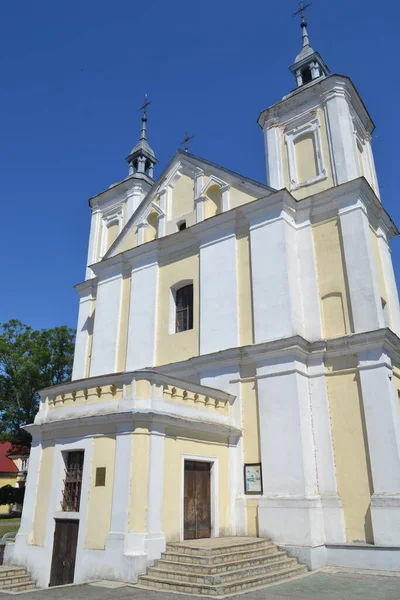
(151, 232)
(183, 196)
(244, 290)
(306, 168)
(100, 497)
(112, 233)
(172, 347)
(139, 474)
(350, 446)
(306, 160)
(43, 493)
(251, 436)
(213, 202)
(175, 447)
(331, 279)
(238, 198)
(6, 479)
(130, 240)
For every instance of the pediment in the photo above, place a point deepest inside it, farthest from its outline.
(186, 180)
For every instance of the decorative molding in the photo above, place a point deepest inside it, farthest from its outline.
(291, 136)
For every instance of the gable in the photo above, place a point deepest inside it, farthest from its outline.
(190, 190)
(182, 196)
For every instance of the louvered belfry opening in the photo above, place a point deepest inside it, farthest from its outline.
(73, 481)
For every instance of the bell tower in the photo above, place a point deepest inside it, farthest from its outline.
(141, 158)
(308, 64)
(319, 135)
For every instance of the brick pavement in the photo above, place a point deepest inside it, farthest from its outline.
(322, 585)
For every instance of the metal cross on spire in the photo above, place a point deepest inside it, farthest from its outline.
(303, 24)
(302, 9)
(145, 105)
(186, 141)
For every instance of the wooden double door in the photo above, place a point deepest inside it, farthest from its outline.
(64, 551)
(197, 501)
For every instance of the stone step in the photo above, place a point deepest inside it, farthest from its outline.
(223, 548)
(7, 581)
(239, 585)
(229, 555)
(222, 578)
(8, 571)
(19, 587)
(222, 567)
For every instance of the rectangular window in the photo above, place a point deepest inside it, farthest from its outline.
(184, 308)
(100, 477)
(73, 481)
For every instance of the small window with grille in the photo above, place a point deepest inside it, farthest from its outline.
(184, 308)
(73, 481)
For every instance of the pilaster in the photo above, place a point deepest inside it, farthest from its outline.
(273, 153)
(219, 312)
(290, 510)
(390, 282)
(133, 201)
(275, 272)
(84, 329)
(366, 306)
(32, 479)
(382, 420)
(344, 158)
(121, 490)
(142, 313)
(228, 379)
(95, 230)
(335, 532)
(155, 543)
(107, 322)
(312, 321)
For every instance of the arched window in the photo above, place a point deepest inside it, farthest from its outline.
(184, 308)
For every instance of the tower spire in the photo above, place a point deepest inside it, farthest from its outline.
(308, 64)
(142, 158)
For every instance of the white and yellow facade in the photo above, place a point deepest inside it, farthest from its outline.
(293, 360)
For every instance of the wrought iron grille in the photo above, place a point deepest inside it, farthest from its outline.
(73, 481)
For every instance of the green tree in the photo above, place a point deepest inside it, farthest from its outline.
(29, 361)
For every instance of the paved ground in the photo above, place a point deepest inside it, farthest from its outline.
(323, 585)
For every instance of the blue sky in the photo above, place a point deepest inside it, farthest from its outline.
(73, 76)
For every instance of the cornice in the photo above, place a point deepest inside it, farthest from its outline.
(87, 287)
(295, 346)
(335, 84)
(321, 206)
(137, 417)
(120, 187)
(312, 209)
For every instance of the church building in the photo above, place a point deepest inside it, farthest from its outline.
(237, 360)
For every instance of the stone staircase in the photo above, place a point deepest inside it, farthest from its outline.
(15, 579)
(220, 566)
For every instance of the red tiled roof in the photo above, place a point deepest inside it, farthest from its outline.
(6, 464)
